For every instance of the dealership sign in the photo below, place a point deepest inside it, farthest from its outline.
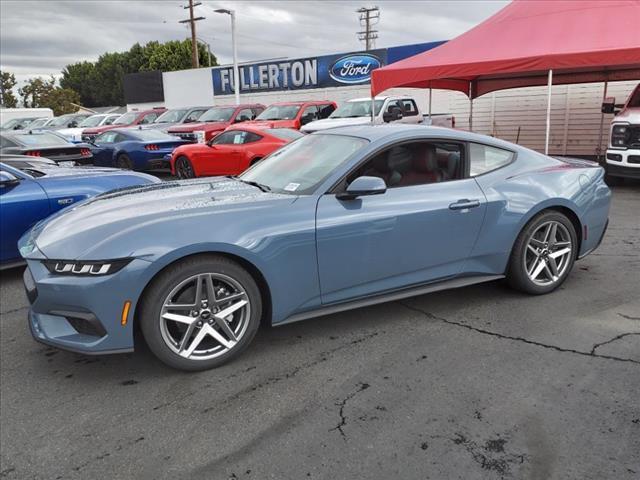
(354, 68)
(300, 73)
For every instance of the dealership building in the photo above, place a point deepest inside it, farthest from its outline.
(517, 115)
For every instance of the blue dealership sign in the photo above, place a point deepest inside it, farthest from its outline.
(339, 70)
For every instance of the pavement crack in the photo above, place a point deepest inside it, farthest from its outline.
(516, 339)
(628, 317)
(342, 404)
(617, 337)
(14, 310)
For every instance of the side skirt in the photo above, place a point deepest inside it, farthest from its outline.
(389, 297)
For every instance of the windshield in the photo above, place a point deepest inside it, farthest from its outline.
(59, 121)
(40, 139)
(38, 122)
(126, 119)
(217, 114)
(11, 123)
(171, 116)
(634, 101)
(300, 166)
(92, 121)
(361, 108)
(279, 112)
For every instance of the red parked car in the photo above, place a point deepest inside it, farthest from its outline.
(216, 119)
(126, 120)
(230, 152)
(294, 114)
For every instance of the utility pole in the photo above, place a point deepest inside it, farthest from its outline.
(368, 18)
(195, 62)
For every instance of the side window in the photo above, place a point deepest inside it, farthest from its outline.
(120, 138)
(483, 158)
(109, 120)
(230, 137)
(256, 111)
(414, 163)
(394, 104)
(244, 115)
(409, 108)
(326, 110)
(309, 114)
(251, 137)
(148, 118)
(106, 137)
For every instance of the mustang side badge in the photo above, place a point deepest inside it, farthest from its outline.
(65, 201)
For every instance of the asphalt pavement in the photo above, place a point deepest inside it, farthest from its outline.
(475, 383)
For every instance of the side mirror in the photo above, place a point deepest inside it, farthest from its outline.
(393, 114)
(72, 124)
(8, 179)
(609, 105)
(363, 186)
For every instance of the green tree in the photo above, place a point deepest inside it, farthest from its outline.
(7, 82)
(61, 100)
(81, 78)
(35, 89)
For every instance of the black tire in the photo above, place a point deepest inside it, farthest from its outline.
(184, 169)
(123, 161)
(161, 288)
(517, 276)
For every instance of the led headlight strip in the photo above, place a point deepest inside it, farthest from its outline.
(87, 269)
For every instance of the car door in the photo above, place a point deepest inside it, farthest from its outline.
(22, 204)
(102, 149)
(422, 229)
(223, 155)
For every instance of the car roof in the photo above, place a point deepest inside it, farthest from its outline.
(303, 102)
(399, 131)
(381, 97)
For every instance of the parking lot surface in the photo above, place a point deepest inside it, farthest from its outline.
(475, 383)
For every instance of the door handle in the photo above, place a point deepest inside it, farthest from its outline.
(464, 204)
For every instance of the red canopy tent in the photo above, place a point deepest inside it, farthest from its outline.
(529, 43)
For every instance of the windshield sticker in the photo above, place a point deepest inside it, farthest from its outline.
(292, 187)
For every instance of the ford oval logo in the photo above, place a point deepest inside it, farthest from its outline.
(354, 68)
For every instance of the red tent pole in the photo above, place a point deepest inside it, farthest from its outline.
(546, 141)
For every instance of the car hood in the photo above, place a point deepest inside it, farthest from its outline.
(82, 172)
(334, 122)
(630, 114)
(206, 126)
(82, 231)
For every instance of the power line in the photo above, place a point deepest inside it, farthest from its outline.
(368, 18)
(195, 62)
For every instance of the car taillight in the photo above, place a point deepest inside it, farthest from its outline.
(33, 153)
(85, 152)
(151, 147)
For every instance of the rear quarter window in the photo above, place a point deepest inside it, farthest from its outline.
(483, 158)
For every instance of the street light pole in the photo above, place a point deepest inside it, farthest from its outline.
(236, 74)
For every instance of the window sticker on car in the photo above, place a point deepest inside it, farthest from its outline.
(238, 138)
(292, 187)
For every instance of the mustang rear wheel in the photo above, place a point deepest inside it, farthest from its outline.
(201, 312)
(124, 161)
(184, 169)
(543, 254)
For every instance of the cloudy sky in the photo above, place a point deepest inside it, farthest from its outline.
(41, 37)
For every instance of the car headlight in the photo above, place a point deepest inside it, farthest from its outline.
(86, 268)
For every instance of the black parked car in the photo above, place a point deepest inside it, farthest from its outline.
(45, 144)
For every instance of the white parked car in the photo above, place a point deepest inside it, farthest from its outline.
(400, 109)
(623, 153)
(98, 120)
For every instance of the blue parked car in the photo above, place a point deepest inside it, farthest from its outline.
(335, 220)
(133, 148)
(32, 189)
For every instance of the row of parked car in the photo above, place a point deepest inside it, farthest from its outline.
(196, 141)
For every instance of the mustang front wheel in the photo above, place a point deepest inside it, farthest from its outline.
(543, 254)
(201, 312)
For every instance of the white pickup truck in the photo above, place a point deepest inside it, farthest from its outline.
(623, 153)
(387, 109)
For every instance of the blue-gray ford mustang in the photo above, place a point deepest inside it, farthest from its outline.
(335, 220)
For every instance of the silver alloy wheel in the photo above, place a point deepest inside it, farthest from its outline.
(548, 253)
(205, 316)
